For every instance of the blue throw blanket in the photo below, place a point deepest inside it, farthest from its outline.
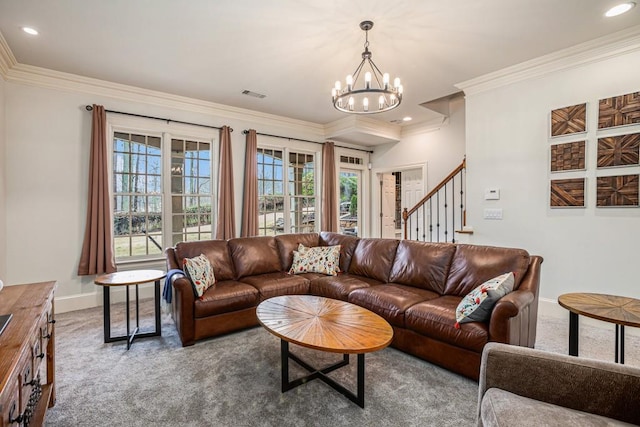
(168, 289)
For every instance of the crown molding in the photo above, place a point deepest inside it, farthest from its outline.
(596, 50)
(51, 79)
(424, 127)
(7, 60)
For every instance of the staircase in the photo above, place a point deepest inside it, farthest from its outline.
(441, 213)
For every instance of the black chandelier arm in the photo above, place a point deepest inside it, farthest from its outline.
(356, 73)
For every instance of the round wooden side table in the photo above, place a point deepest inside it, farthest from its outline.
(129, 278)
(623, 311)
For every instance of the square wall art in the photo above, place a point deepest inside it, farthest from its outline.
(567, 193)
(569, 156)
(619, 190)
(619, 111)
(620, 150)
(568, 120)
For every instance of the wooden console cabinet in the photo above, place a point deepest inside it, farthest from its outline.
(27, 354)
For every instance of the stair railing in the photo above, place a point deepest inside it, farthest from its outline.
(437, 216)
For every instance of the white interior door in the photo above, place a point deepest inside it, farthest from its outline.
(412, 191)
(388, 205)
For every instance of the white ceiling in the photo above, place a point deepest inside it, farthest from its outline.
(294, 50)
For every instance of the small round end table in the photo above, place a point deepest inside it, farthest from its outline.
(128, 278)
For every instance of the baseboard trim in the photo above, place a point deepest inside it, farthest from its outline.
(83, 301)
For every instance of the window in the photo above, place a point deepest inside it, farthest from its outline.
(137, 188)
(292, 192)
(190, 190)
(350, 184)
(162, 192)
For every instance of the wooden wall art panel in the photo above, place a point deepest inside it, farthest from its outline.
(567, 193)
(565, 121)
(569, 156)
(619, 110)
(623, 150)
(619, 190)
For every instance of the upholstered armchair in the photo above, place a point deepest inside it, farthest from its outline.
(521, 386)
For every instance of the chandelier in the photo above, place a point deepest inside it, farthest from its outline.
(376, 96)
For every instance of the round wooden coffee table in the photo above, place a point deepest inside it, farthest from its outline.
(328, 325)
(622, 311)
(128, 278)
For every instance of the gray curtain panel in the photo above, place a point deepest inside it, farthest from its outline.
(226, 228)
(97, 255)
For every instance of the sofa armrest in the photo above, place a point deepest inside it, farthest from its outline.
(514, 317)
(183, 309)
(588, 385)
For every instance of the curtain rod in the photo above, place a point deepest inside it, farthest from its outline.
(90, 107)
(305, 140)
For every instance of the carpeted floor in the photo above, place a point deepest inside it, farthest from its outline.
(234, 380)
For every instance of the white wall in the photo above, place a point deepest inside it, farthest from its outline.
(591, 249)
(441, 149)
(47, 151)
(3, 168)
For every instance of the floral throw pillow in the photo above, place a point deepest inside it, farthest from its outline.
(477, 305)
(318, 259)
(200, 271)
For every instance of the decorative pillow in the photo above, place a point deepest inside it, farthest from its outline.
(318, 259)
(200, 272)
(477, 305)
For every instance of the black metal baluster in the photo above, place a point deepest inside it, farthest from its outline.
(445, 214)
(453, 210)
(438, 216)
(462, 200)
(424, 236)
(431, 219)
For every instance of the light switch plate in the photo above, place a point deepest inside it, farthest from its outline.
(493, 213)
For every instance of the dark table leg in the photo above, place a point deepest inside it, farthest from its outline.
(157, 301)
(573, 334)
(106, 302)
(619, 354)
(129, 335)
(321, 374)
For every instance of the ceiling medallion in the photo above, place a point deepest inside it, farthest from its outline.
(376, 95)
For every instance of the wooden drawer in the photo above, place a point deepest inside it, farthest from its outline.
(10, 414)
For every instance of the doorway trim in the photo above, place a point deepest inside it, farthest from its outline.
(376, 196)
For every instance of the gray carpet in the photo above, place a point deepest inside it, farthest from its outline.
(234, 380)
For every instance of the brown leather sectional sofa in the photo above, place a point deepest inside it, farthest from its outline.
(415, 286)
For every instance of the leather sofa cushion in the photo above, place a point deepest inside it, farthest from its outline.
(217, 251)
(254, 255)
(347, 246)
(473, 265)
(373, 258)
(422, 264)
(390, 301)
(226, 296)
(340, 286)
(287, 243)
(436, 319)
(280, 283)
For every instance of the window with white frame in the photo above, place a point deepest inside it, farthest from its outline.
(286, 191)
(162, 192)
(351, 171)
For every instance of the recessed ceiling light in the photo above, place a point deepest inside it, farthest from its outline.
(620, 9)
(30, 30)
(406, 119)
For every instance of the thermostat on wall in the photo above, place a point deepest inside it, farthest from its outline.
(492, 194)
